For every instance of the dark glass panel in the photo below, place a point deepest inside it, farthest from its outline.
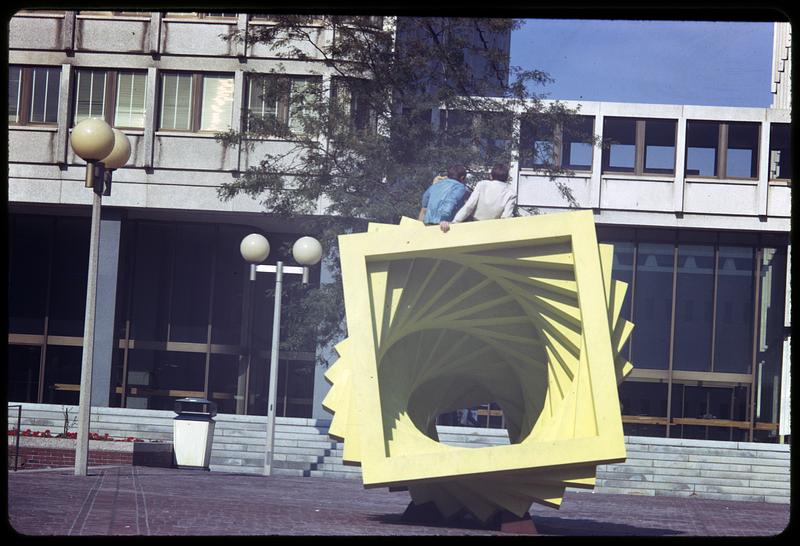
(222, 378)
(153, 374)
(62, 374)
(652, 306)
(151, 282)
(576, 147)
(300, 388)
(70, 268)
(780, 151)
(771, 331)
(643, 399)
(733, 346)
(27, 271)
(23, 373)
(191, 283)
(230, 280)
(694, 308)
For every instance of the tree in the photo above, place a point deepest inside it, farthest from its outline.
(407, 97)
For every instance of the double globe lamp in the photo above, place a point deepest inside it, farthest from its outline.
(104, 149)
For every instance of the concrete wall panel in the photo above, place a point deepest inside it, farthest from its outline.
(651, 195)
(112, 35)
(780, 201)
(540, 191)
(720, 198)
(190, 152)
(178, 37)
(35, 32)
(32, 146)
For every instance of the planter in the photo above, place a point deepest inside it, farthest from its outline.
(41, 452)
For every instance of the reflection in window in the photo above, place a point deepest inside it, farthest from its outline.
(217, 103)
(702, 139)
(131, 91)
(742, 153)
(176, 101)
(653, 305)
(116, 96)
(734, 331)
(694, 308)
(659, 146)
(772, 289)
(780, 151)
(621, 154)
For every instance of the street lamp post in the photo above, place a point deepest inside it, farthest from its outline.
(104, 149)
(307, 252)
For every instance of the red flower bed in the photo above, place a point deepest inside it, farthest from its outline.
(72, 435)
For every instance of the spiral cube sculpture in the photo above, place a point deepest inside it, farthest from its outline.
(520, 311)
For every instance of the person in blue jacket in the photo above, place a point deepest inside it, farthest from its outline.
(443, 198)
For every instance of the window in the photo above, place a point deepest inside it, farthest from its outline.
(780, 151)
(352, 104)
(639, 146)
(285, 101)
(196, 102)
(33, 95)
(118, 96)
(722, 150)
(567, 145)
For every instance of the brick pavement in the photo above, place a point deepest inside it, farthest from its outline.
(135, 500)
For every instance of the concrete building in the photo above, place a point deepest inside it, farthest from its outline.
(695, 199)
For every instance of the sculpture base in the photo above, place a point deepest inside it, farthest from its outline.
(511, 523)
(425, 513)
(505, 522)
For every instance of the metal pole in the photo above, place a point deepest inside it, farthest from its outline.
(85, 400)
(273, 370)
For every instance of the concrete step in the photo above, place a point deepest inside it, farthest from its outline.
(334, 474)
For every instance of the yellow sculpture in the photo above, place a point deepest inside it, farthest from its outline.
(520, 311)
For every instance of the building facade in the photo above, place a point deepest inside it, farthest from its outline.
(695, 199)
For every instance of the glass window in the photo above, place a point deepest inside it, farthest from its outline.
(118, 97)
(217, 105)
(231, 279)
(352, 104)
(223, 374)
(620, 133)
(694, 308)
(263, 97)
(576, 143)
(769, 356)
(780, 151)
(652, 306)
(623, 270)
(90, 86)
(28, 270)
(150, 293)
(33, 94)
(181, 112)
(742, 152)
(14, 92)
(537, 148)
(176, 101)
(130, 103)
(733, 349)
(702, 141)
(62, 375)
(659, 146)
(68, 284)
(191, 283)
(23, 373)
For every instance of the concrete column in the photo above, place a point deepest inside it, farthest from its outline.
(151, 105)
(154, 43)
(596, 180)
(68, 32)
(104, 325)
(62, 136)
(762, 189)
(680, 167)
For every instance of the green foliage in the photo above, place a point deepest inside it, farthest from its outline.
(381, 119)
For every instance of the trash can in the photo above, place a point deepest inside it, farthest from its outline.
(193, 432)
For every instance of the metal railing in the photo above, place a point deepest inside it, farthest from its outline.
(19, 425)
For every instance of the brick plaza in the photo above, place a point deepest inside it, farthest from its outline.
(142, 501)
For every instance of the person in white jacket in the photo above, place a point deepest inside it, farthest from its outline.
(490, 199)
